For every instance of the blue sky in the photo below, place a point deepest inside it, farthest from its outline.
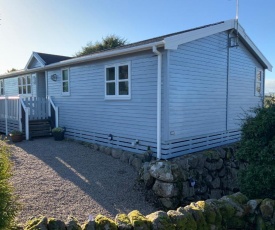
(64, 26)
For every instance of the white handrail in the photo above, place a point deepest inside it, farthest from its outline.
(55, 109)
(27, 112)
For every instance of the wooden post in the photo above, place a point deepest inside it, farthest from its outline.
(56, 117)
(6, 114)
(27, 133)
(20, 115)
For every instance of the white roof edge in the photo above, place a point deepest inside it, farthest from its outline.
(37, 57)
(87, 58)
(174, 41)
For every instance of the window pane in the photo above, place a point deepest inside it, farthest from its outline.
(19, 81)
(65, 87)
(23, 80)
(24, 89)
(29, 89)
(111, 88)
(29, 80)
(123, 88)
(2, 91)
(20, 89)
(258, 87)
(259, 75)
(65, 75)
(110, 74)
(123, 72)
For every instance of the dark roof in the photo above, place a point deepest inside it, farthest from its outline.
(51, 58)
(157, 39)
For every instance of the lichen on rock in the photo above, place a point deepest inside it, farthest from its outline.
(54, 224)
(182, 220)
(73, 224)
(103, 223)
(160, 221)
(123, 222)
(139, 221)
(37, 223)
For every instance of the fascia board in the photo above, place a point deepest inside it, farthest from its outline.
(92, 57)
(174, 41)
(37, 57)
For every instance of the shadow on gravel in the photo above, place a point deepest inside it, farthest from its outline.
(107, 181)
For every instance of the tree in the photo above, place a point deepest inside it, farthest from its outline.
(257, 147)
(108, 42)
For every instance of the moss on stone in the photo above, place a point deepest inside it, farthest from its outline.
(139, 221)
(267, 208)
(73, 224)
(36, 223)
(160, 221)
(122, 221)
(182, 219)
(103, 223)
(238, 198)
(54, 224)
(88, 225)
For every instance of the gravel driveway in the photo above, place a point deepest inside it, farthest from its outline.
(57, 179)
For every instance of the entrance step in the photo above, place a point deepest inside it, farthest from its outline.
(40, 128)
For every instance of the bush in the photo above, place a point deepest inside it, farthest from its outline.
(257, 147)
(8, 204)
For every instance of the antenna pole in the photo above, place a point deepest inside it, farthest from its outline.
(237, 21)
(237, 10)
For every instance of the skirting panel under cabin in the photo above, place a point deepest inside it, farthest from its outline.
(12, 125)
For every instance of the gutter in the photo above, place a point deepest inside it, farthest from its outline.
(158, 103)
(92, 57)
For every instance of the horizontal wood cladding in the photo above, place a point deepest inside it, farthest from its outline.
(241, 85)
(87, 110)
(197, 87)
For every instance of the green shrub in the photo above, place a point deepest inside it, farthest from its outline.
(8, 204)
(257, 147)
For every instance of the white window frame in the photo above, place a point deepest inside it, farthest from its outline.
(116, 81)
(62, 81)
(21, 85)
(2, 87)
(258, 82)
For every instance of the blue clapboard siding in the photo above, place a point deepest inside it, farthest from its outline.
(241, 85)
(197, 87)
(34, 64)
(11, 86)
(86, 109)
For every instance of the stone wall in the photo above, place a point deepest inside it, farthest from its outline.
(230, 212)
(193, 177)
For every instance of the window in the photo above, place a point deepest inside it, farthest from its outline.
(65, 82)
(117, 81)
(258, 82)
(24, 85)
(2, 92)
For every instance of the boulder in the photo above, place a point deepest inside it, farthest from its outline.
(253, 205)
(72, 223)
(192, 161)
(165, 171)
(116, 153)
(182, 220)
(160, 221)
(103, 223)
(148, 180)
(166, 190)
(137, 163)
(215, 194)
(96, 147)
(170, 203)
(125, 157)
(89, 225)
(267, 208)
(54, 224)
(212, 155)
(215, 183)
(37, 223)
(138, 221)
(108, 150)
(123, 222)
(197, 215)
(187, 190)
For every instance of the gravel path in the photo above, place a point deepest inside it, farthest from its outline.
(57, 179)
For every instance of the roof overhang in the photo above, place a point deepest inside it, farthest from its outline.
(37, 57)
(171, 42)
(174, 41)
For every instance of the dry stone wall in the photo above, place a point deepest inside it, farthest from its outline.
(193, 177)
(230, 212)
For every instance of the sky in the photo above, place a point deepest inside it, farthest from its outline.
(64, 26)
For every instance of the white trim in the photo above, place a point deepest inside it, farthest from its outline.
(116, 81)
(69, 83)
(174, 41)
(37, 57)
